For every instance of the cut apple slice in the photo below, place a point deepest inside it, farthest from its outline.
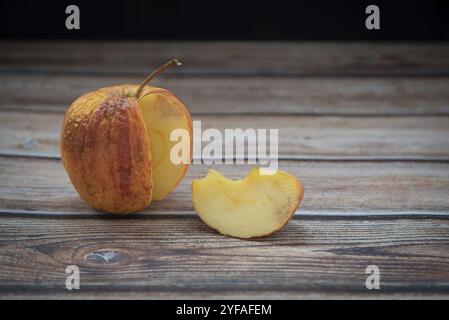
(163, 113)
(256, 206)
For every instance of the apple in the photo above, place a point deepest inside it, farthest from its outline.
(115, 144)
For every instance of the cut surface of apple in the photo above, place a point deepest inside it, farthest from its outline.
(163, 113)
(255, 206)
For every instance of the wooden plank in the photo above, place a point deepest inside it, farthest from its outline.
(300, 137)
(40, 186)
(244, 94)
(226, 57)
(147, 255)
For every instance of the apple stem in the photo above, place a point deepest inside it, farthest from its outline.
(155, 73)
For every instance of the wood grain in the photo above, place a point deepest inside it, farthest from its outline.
(226, 57)
(244, 94)
(368, 125)
(300, 137)
(41, 186)
(180, 254)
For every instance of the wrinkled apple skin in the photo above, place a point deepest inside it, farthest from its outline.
(106, 152)
(178, 107)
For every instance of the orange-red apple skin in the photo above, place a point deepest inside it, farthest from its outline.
(106, 152)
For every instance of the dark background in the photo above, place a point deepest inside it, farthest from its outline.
(224, 20)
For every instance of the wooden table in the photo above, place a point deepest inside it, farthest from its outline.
(365, 126)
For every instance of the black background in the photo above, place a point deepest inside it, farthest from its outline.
(226, 20)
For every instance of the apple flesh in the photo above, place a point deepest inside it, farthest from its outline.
(256, 206)
(163, 113)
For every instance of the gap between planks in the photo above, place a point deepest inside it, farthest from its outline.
(29, 293)
(299, 215)
(282, 157)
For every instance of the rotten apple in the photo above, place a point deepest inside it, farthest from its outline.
(115, 145)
